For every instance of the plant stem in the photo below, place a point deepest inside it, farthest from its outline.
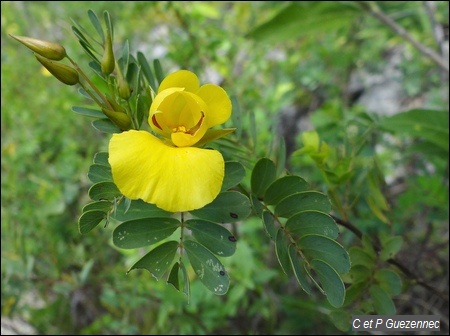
(376, 12)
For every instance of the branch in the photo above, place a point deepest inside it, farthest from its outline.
(405, 270)
(375, 11)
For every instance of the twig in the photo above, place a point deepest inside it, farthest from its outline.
(405, 270)
(375, 11)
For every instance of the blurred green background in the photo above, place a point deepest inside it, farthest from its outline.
(62, 282)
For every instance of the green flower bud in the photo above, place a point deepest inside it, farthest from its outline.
(119, 118)
(108, 57)
(124, 89)
(51, 50)
(62, 72)
(115, 106)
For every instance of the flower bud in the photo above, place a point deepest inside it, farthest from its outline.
(62, 72)
(119, 118)
(51, 50)
(124, 89)
(108, 57)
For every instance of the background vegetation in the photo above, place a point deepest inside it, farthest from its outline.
(291, 68)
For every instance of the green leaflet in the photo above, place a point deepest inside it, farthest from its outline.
(143, 232)
(208, 268)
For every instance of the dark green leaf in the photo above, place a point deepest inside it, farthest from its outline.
(284, 187)
(89, 220)
(427, 124)
(256, 205)
(125, 58)
(354, 292)
(382, 302)
(186, 287)
(269, 225)
(143, 232)
(106, 126)
(103, 206)
(100, 173)
(88, 112)
(236, 115)
(108, 23)
(158, 260)
(331, 282)
(173, 276)
(147, 71)
(208, 268)
(158, 70)
(281, 248)
(298, 265)
(389, 281)
(214, 237)
(96, 67)
(234, 173)
(307, 200)
(81, 37)
(104, 190)
(263, 175)
(312, 222)
(326, 249)
(101, 158)
(138, 209)
(229, 206)
(281, 157)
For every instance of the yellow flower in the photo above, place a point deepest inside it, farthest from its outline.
(173, 172)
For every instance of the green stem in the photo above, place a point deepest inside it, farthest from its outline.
(86, 78)
(181, 235)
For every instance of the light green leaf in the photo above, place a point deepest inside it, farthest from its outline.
(298, 266)
(263, 175)
(104, 190)
(390, 247)
(305, 18)
(138, 209)
(89, 220)
(143, 232)
(389, 281)
(358, 256)
(103, 206)
(382, 301)
(429, 125)
(88, 112)
(312, 222)
(284, 187)
(100, 173)
(281, 249)
(229, 206)
(331, 282)
(216, 238)
(96, 23)
(158, 260)
(234, 173)
(105, 126)
(208, 268)
(341, 320)
(326, 249)
(307, 200)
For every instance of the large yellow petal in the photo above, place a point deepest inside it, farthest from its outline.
(174, 178)
(218, 102)
(181, 79)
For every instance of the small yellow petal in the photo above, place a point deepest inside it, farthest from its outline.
(174, 178)
(218, 102)
(181, 79)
